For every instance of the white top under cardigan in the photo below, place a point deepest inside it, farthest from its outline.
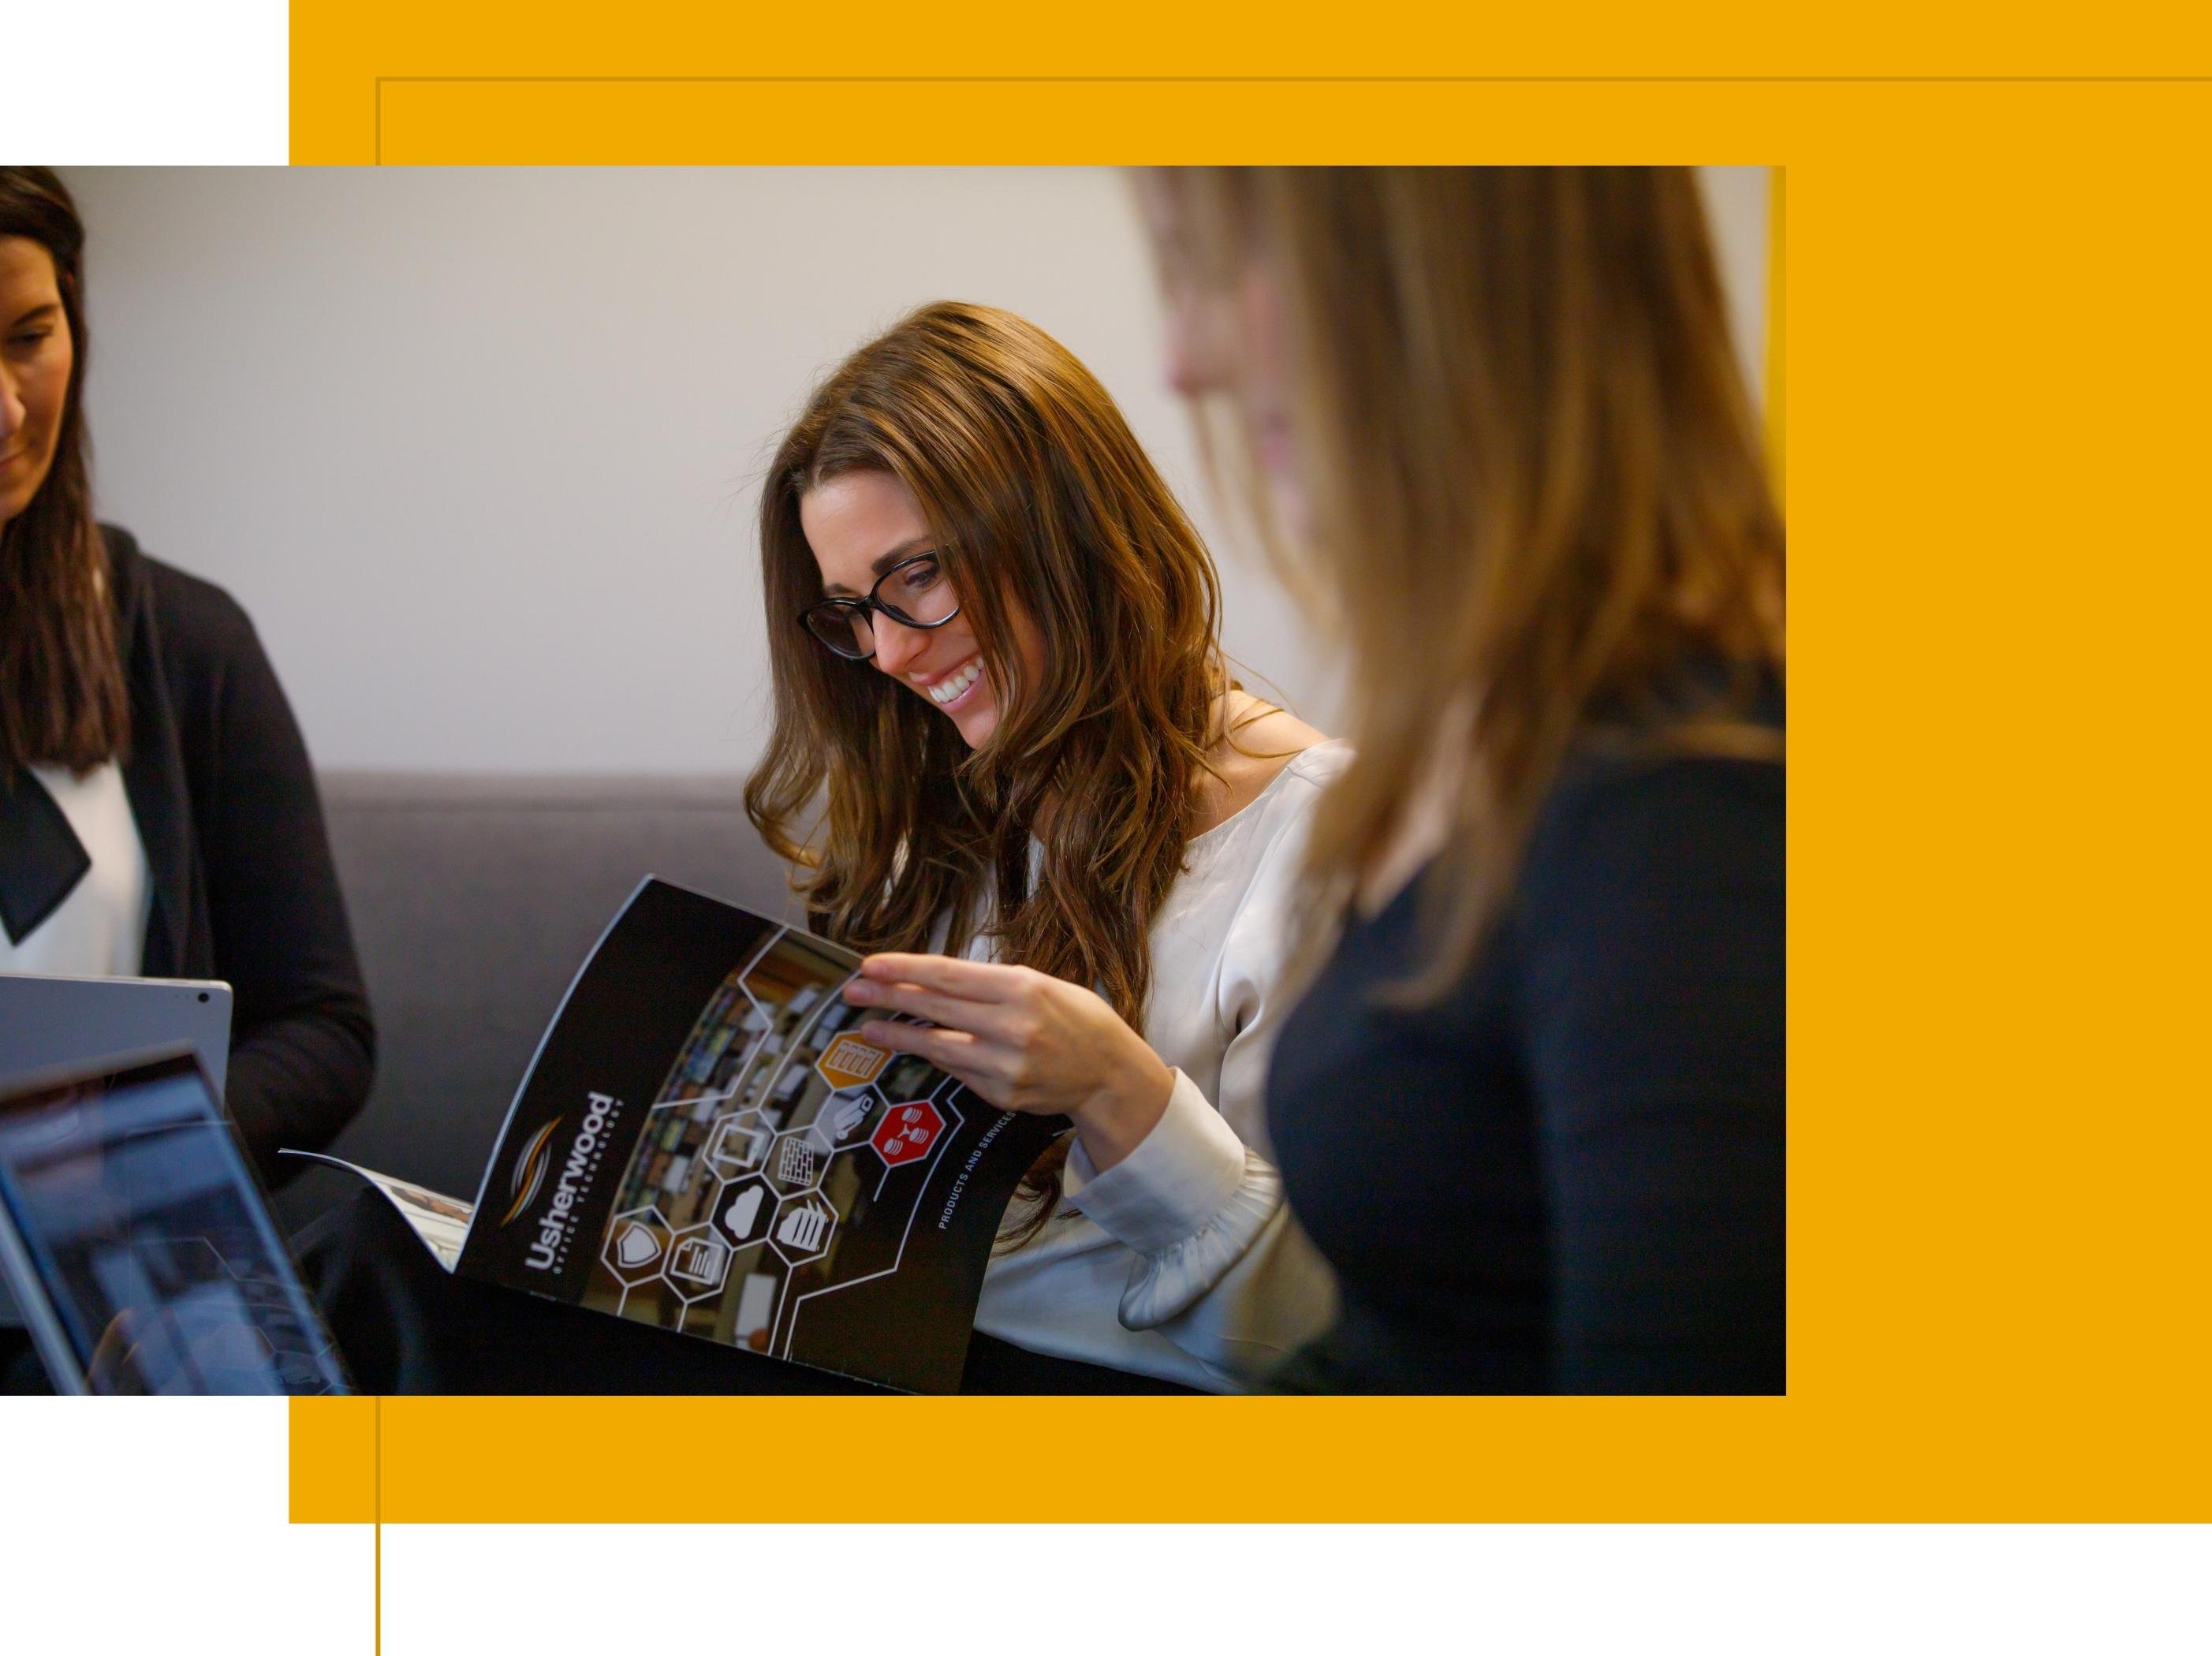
(1180, 1260)
(97, 931)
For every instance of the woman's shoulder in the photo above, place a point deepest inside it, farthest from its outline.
(1691, 756)
(1693, 836)
(1267, 753)
(196, 617)
(1263, 731)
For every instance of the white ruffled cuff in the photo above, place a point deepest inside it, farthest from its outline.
(1189, 1200)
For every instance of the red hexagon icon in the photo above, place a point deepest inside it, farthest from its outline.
(907, 1132)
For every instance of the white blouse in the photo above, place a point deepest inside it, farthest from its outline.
(97, 931)
(1181, 1261)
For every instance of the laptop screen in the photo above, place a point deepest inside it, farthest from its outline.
(151, 1243)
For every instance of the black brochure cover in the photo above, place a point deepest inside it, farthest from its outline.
(702, 1143)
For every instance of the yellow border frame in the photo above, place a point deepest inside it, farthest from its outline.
(1996, 1267)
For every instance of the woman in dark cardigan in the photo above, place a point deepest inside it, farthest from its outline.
(1533, 1105)
(158, 815)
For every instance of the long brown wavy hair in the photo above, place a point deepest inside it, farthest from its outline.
(63, 698)
(1538, 510)
(1041, 502)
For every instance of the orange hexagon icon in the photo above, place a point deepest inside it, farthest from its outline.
(850, 1062)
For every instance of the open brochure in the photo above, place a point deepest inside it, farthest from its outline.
(703, 1143)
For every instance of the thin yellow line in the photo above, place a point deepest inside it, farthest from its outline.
(379, 1509)
(1296, 80)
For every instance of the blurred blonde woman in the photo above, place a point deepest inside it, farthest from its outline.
(1531, 1106)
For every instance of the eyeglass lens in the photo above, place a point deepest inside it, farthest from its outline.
(916, 592)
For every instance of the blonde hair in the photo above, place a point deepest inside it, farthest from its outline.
(1539, 513)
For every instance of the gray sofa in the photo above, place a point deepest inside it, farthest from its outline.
(473, 901)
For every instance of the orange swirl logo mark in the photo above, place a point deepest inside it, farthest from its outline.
(529, 1170)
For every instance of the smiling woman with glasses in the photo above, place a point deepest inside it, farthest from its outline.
(1032, 787)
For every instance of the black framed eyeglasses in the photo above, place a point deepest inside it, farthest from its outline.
(914, 592)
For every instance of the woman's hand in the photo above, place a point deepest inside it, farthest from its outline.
(1023, 1040)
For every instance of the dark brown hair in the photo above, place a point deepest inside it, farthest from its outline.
(1539, 514)
(63, 698)
(1042, 499)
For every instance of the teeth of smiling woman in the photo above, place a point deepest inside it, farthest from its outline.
(953, 689)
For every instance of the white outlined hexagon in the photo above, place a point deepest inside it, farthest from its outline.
(697, 1263)
(739, 1144)
(846, 1119)
(759, 1297)
(627, 1260)
(797, 1162)
(744, 1210)
(805, 1229)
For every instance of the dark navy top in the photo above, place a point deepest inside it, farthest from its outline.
(1568, 1173)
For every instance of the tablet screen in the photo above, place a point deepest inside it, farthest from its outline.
(153, 1244)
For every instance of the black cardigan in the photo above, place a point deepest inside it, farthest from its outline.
(244, 886)
(1567, 1174)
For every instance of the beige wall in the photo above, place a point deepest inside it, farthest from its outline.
(478, 448)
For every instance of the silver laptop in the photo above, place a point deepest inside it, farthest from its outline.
(140, 1246)
(50, 1023)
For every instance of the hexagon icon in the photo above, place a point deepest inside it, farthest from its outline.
(698, 1262)
(907, 1132)
(803, 1228)
(745, 1210)
(739, 1144)
(850, 1062)
(846, 1118)
(797, 1162)
(636, 1244)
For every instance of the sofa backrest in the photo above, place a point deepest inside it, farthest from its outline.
(473, 901)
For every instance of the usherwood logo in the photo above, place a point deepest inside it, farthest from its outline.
(559, 1219)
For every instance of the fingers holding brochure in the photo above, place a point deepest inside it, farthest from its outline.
(1023, 1039)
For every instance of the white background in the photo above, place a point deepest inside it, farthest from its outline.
(156, 1526)
(479, 449)
(91, 82)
